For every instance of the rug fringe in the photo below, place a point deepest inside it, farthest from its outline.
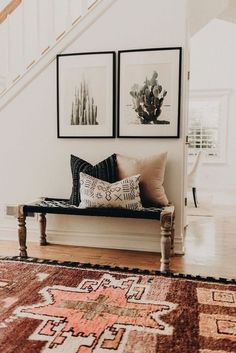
(74, 264)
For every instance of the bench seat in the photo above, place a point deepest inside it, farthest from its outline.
(43, 206)
(63, 206)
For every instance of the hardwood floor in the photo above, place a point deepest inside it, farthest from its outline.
(210, 249)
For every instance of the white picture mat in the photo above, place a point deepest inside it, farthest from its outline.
(97, 71)
(134, 68)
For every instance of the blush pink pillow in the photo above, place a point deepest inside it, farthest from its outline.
(152, 170)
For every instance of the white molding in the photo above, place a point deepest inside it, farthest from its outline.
(119, 240)
(123, 241)
(179, 246)
(58, 47)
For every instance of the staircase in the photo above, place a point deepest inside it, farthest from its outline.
(33, 32)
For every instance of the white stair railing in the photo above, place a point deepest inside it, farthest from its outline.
(33, 29)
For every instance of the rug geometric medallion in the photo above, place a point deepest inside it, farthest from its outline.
(53, 308)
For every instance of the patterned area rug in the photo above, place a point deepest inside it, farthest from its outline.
(49, 307)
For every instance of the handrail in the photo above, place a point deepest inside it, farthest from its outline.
(8, 9)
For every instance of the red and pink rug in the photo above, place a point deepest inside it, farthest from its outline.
(46, 307)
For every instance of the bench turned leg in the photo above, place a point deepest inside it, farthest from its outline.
(165, 250)
(42, 225)
(22, 235)
(166, 238)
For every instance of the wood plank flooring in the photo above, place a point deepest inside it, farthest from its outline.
(210, 249)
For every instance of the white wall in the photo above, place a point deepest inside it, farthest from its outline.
(35, 163)
(213, 58)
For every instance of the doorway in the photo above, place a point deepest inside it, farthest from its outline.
(210, 234)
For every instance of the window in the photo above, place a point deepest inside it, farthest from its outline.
(207, 124)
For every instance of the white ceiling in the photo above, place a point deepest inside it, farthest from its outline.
(229, 14)
(200, 12)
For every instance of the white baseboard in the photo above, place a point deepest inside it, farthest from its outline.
(111, 240)
(123, 241)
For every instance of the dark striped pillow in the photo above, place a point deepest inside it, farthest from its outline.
(104, 170)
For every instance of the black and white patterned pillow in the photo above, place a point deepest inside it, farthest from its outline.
(105, 170)
(121, 194)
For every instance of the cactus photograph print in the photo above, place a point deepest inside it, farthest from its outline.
(84, 111)
(85, 94)
(149, 92)
(148, 99)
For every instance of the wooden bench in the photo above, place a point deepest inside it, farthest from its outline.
(165, 217)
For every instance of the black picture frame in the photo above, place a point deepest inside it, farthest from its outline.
(86, 90)
(149, 92)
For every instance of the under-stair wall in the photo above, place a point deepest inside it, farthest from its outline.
(34, 162)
